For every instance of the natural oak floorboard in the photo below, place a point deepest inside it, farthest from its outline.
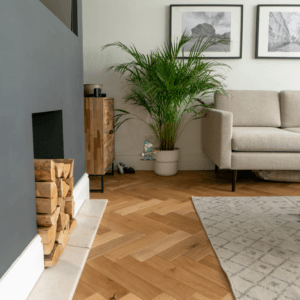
(151, 244)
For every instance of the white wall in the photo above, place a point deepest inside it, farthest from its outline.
(145, 23)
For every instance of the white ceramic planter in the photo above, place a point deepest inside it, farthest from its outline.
(166, 162)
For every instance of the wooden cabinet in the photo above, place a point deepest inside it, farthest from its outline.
(99, 134)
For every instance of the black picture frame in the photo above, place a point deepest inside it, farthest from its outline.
(212, 5)
(258, 13)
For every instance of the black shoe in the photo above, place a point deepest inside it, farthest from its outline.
(128, 170)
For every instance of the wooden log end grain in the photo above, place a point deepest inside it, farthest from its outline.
(48, 219)
(73, 224)
(70, 182)
(45, 205)
(47, 234)
(65, 189)
(69, 170)
(70, 207)
(44, 170)
(62, 222)
(45, 189)
(59, 169)
(48, 247)
(51, 259)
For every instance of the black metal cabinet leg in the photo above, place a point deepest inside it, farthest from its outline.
(102, 184)
(234, 178)
(113, 169)
(216, 169)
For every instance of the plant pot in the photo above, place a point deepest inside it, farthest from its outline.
(166, 162)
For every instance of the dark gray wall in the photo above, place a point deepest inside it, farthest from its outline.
(41, 69)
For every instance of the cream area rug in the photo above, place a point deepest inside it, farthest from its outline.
(257, 241)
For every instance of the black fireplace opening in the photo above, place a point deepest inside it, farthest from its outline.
(48, 141)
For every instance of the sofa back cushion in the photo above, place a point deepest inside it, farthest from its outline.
(251, 108)
(290, 109)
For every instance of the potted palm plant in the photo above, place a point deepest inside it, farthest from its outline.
(171, 91)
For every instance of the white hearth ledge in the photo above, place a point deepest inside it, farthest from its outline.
(21, 277)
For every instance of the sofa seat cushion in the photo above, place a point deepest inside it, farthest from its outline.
(293, 129)
(264, 139)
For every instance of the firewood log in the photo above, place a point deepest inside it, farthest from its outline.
(45, 205)
(48, 248)
(59, 200)
(51, 259)
(67, 162)
(63, 206)
(59, 236)
(45, 189)
(48, 219)
(73, 224)
(62, 187)
(65, 238)
(62, 221)
(59, 170)
(67, 168)
(70, 182)
(67, 222)
(70, 206)
(47, 234)
(44, 170)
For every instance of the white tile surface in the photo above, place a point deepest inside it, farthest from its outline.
(93, 208)
(60, 281)
(85, 231)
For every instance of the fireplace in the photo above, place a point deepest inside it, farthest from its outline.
(48, 140)
(54, 184)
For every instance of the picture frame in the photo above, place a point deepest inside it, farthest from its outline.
(220, 21)
(278, 32)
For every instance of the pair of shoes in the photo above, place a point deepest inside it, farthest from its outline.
(122, 169)
(129, 170)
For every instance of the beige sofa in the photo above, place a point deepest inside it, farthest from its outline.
(253, 130)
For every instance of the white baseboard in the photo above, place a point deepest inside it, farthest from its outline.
(191, 162)
(20, 278)
(81, 192)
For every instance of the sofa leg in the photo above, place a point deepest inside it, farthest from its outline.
(234, 178)
(216, 169)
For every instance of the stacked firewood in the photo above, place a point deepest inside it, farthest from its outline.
(55, 205)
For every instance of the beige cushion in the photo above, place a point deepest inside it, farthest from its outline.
(293, 129)
(251, 108)
(290, 108)
(264, 139)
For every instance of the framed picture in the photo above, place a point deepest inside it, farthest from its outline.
(209, 21)
(278, 31)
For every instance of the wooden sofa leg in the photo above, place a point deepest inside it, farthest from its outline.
(216, 169)
(234, 178)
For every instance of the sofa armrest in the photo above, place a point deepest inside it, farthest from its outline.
(216, 135)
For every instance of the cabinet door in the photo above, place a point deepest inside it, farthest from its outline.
(108, 133)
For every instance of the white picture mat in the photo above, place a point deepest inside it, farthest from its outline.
(235, 46)
(263, 34)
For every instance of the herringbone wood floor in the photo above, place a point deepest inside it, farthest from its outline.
(151, 244)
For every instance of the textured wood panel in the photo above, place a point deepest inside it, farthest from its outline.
(99, 141)
(151, 244)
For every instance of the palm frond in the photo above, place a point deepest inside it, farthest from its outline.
(171, 90)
